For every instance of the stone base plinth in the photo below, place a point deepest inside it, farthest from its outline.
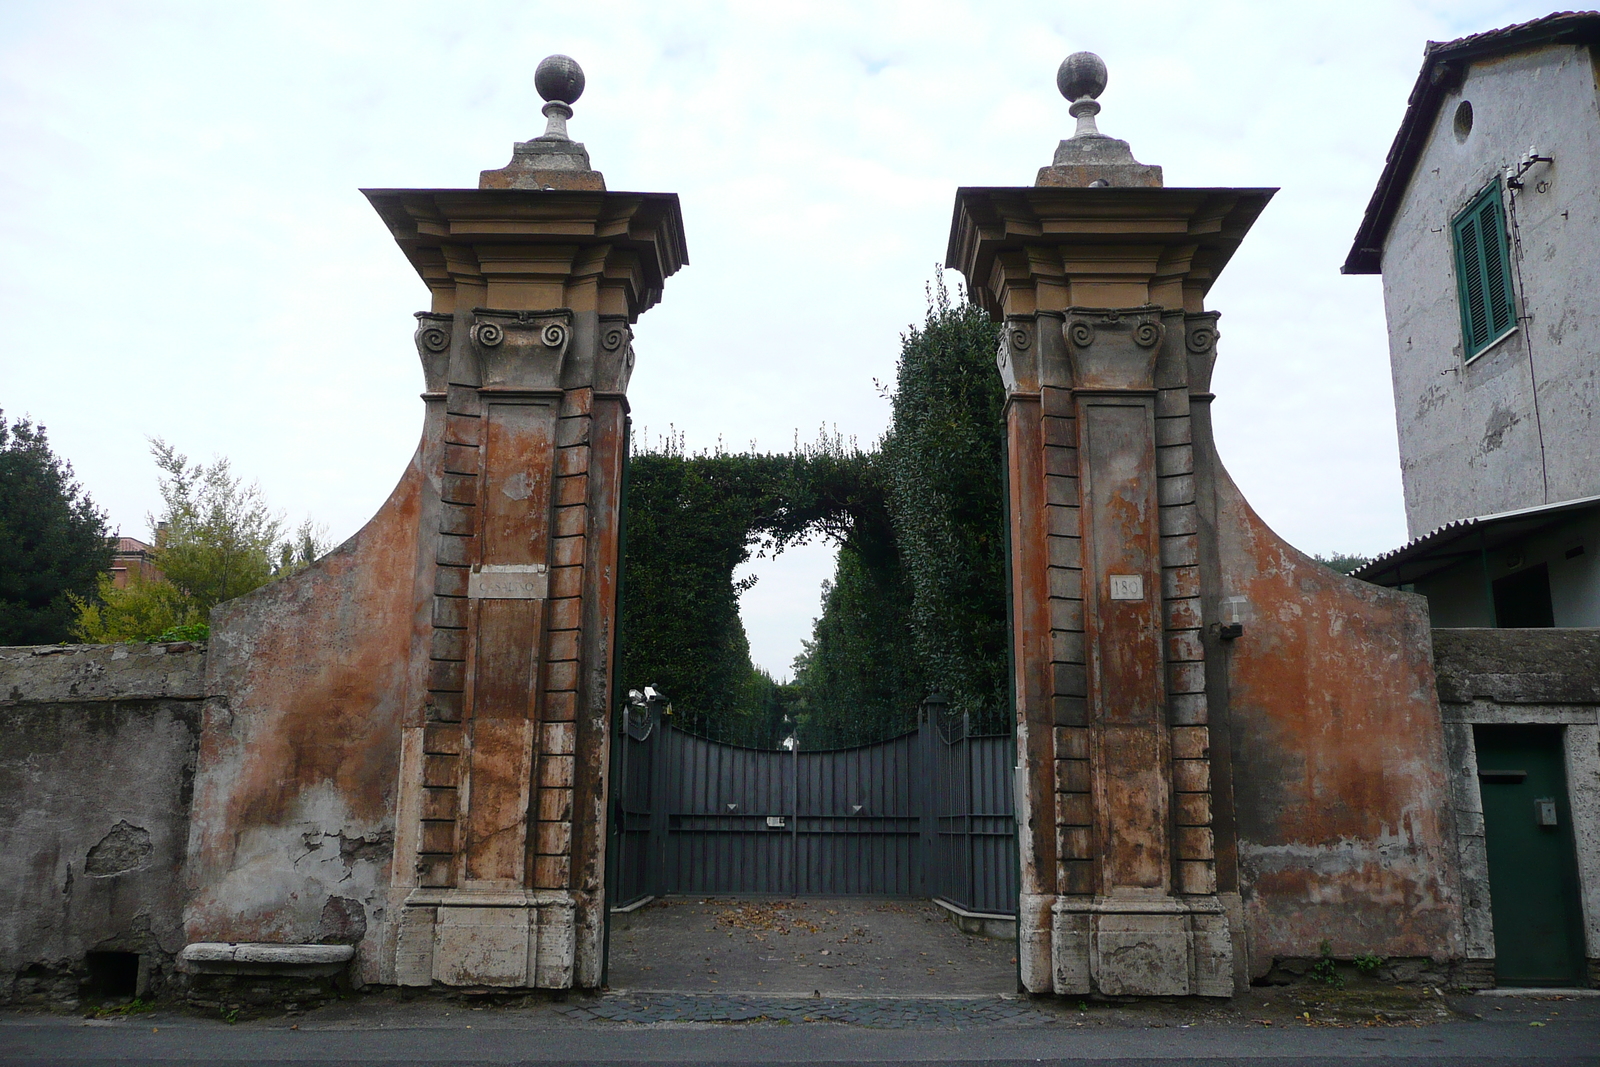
(1128, 946)
(508, 939)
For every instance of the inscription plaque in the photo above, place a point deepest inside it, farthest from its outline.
(508, 581)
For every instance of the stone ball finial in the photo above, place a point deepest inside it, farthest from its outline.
(559, 79)
(1081, 75)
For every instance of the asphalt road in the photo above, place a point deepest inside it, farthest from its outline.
(747, 982)
(433, 1031)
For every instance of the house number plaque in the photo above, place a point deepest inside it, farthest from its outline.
(1127, 587)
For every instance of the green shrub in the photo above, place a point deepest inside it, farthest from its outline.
(1326, 969)
(1367, 963)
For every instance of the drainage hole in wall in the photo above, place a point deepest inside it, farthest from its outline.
(112, 974)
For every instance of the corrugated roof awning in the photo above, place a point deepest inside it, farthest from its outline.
(1465, 539)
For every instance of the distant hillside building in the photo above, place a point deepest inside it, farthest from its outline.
(1485, 226)
(132, 556)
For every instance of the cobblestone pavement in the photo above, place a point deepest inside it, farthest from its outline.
(888, 1013)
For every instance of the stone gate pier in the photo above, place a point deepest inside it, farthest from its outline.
(438, 691)
(1226, 752)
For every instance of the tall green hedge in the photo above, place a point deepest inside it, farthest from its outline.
(943, 458)
(691, 521)
(917, 600)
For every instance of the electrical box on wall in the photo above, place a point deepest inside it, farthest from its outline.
(1545, 811)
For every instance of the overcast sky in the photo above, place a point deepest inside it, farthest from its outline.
(186, 255)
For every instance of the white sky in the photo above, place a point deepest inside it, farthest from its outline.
(184, 253)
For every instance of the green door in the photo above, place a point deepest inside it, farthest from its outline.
(1533, 882)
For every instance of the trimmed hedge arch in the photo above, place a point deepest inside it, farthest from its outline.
(917, 602)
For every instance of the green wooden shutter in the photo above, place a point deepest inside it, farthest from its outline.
(1483, 271)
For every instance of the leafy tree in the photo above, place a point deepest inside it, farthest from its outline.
(858, 676)
(143, 610)
(216, 539)
(53, 540)
(305, 546)
(688, 527)
(692, 520)
(1342, 563)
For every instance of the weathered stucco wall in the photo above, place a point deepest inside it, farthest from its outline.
(95, 783)
(1522, 676)
(294, 811)
(1342, 801)
(1469, 435)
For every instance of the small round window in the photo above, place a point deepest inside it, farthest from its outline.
(1463, 123)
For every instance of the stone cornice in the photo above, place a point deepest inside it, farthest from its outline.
(606, 251)
(1030, 248)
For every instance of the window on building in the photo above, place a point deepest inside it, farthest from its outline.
(1483, 271)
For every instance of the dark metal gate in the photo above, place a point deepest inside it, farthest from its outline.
(973, 850)
(925, 814)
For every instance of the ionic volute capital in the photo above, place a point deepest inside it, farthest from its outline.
(520, 351)
(1200, 344)
(1114, 349)
(614, 360)
(433, 338)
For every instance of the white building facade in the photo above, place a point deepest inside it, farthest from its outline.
(1486, 228)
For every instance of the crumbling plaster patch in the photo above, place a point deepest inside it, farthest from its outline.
(281, 876)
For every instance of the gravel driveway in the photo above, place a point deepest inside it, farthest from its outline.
(847, 946)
